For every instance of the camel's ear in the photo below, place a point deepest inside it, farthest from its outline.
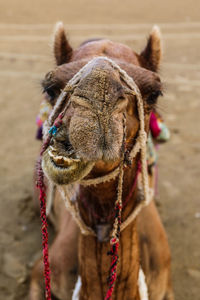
(150, 57)
(61, 47)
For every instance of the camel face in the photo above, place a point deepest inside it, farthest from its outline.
(101, 109)
(93, 127)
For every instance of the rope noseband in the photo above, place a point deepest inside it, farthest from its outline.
(50, 129)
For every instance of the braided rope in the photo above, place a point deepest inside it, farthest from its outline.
(42, 197)
(114, 241)
(140, 144)
(102, 179)
(115, 236)
(53, 123)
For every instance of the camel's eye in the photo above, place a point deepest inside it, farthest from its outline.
(152, 98)
(80, 101)
(50, 94)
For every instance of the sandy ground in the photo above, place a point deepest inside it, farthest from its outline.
(25, 56)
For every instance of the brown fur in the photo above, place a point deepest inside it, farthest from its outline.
(150, 57)
(148, 242)
(62, 49)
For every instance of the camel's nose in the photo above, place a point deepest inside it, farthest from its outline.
(104, 122)
(96, 137)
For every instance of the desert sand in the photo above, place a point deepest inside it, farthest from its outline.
(26, 55)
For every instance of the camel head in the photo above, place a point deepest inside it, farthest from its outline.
(101, 116)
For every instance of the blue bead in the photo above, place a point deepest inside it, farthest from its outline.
(53, 130)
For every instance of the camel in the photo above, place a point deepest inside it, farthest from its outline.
(100, 119)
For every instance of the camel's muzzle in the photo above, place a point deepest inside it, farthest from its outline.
(60, 163)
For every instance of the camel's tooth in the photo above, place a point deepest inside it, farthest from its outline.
(62, 160)
(71, 160)
(52, 148)
(59, 157)
(59, 160)
(50, 153)
(55, 156)
(76, 160)
(67, 160)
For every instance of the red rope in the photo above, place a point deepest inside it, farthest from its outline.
(42, 197)
(113, 269)
(42, 188)
(114, 255)
(115, 242)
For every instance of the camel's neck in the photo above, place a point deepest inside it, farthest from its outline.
(97, 206)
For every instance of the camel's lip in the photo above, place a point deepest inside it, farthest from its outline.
(62, 161)
(62, 168)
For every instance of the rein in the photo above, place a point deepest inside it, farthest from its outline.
(50, 129)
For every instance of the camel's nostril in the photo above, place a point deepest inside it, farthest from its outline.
(104, 144)
(104, 141)
(68, 145)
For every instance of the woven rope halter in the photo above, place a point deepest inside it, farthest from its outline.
(51, 126)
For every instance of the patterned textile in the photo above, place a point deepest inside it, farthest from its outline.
(158, 128)
(44, 111)
(159, 133)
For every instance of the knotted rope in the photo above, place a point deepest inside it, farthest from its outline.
(50, 128)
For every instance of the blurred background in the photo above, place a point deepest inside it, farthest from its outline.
(26, 55)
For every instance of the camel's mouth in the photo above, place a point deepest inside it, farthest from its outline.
(63, 167)
(61, 161)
